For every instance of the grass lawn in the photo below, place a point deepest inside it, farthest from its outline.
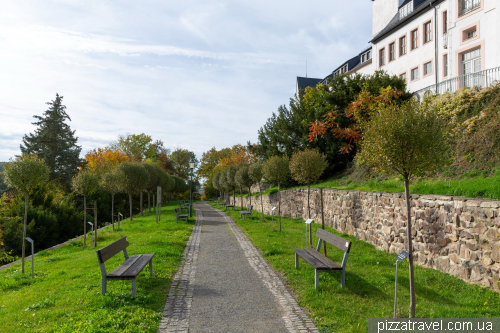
(65, 295)
(370, 273)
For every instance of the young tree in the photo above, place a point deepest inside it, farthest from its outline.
(256, 173)
(166, 182)
(277, 170)
(215, 182)
(55, 143)
(244, 180)
(137, 147)
(230, 180)
(223, 183)
(133, 179)
(25, 173)
(110, 182)
(306, 167)
(154, 172)
(180, 159)
(85, 183)
(409, 141)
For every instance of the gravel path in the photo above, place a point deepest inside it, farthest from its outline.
(224, 285)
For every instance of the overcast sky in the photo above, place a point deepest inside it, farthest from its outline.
(194, 74)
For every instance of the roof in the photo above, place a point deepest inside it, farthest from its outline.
(304, 82)
(419, 7)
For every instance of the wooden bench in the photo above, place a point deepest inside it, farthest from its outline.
(129, 270)
(180, 216)
(244, 213)
(183, 206)
(230, 205)
(319, 261)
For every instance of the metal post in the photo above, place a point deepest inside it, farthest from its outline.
(92, 230)
(396, 290)
(191, 195)
(32, 256)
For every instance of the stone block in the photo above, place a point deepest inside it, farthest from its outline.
(479, 228)
(472, 245)
(487, 261)
(492, 234)
(464, 273)
(465, 235)
(495, 253)
(454, 258)
(442, 242)
(443, 264)
(475, 274)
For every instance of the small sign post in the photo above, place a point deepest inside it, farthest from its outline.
(272, 216)
(32, 256)
(402, 256)
(119, 214)
(308, 223)
(92, 230)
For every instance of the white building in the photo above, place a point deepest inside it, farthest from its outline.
(436, 45)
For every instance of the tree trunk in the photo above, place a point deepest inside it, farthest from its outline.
(113, 210)
(322, 217)
(154, 202)
(241, 198)
(84, 220)
(130, 204)
(309, 216)
(95, 224)
(24, 229)
(410, 248)
(149, 202)
(279, 205)
(234, 197)
(261, 204)
(250, 194)
(140, 209)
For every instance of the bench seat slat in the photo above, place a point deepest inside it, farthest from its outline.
(118, 271)
(314, 262)
(332, 265)
(137, 266)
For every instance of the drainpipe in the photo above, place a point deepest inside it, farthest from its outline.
(436, 34)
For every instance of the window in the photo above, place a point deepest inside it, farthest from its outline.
(428, 68)
(414, 74)
(402, 76)
(368, 55)
(428, 32)
(467, 6)
(471, 34)
(402, 46)
(471, 66)
(445, 22)
(381, 57)
(392, 51)
(445, 65)
(414, 39)
(406, 10)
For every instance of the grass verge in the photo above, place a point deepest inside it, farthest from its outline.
(370, 273)
(65, 295)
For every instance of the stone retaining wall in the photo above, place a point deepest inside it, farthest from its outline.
(456, 235)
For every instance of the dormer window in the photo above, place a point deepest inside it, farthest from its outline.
(406, 10)
(365, 57)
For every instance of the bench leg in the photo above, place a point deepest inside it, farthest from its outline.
(104, 281)
(296, 260)
(134, 287)
(316, 278)
(342, 278)
(186, 220)
(151, 266)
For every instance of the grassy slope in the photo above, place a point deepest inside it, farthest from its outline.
(65, 295)
(369, 291)
(472, 185)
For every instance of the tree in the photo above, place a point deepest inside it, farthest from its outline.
(85, 183)
(215, 182)
(230, 179)
(243, 179)
(137, 147)
(256, 173)
(134, 178)
(55, 143)
(180, 159)
(224, 184)
(110, 182)
(25, 173)
(276, 169)
(409, 141)
(166, 182)
(210, 160)
(155, 173)
(306, 167)
(104, 160)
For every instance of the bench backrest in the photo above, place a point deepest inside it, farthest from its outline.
(249, 208)
(109, 251)
(335, 240)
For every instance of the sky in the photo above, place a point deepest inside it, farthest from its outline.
(194, 74)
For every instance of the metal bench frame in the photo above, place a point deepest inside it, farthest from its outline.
(244, 213)
(128, 270)
(180, 216)
(319, 261)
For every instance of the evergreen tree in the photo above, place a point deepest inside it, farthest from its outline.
(55, 143)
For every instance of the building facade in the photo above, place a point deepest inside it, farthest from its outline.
(436, 45)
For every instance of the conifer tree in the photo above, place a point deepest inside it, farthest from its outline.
(55, 143)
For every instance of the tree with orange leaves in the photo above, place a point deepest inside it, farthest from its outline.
(103, 160)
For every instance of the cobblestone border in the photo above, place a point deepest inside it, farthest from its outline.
(295, 318)
(178, 306)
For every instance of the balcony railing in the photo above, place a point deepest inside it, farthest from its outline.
(481, 79)
(445, 41)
